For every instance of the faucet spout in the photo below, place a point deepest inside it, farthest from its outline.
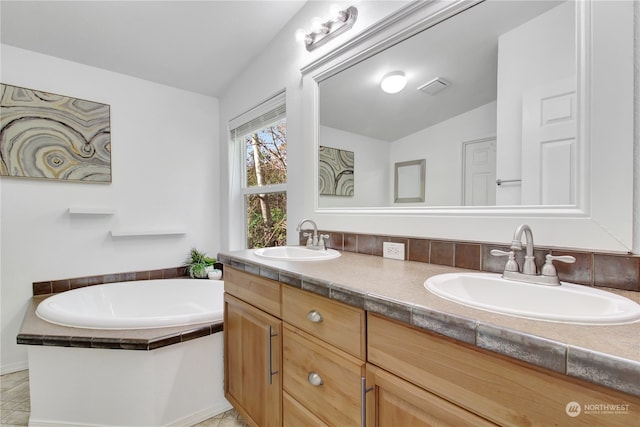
(313, 240)
(529, 266)
(529, 274)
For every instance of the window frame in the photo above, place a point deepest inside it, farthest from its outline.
(265, 114)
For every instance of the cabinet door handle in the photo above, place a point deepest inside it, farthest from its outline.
(363, 401)
(315, 379)
(314, 316)
(270, 370)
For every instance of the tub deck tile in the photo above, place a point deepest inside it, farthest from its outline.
(56, 340)
(202, 331)
(164, 341)
(36, 331)
(83, 342)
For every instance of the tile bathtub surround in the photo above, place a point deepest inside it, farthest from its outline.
(57, 286)
(618, 271)
(35, 331)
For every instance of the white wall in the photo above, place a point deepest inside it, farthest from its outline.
(165, 174)
(538, 52)
(441, 146)
(372, 176)
(277, 68)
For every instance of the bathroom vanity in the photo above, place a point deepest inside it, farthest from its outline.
(357, 340)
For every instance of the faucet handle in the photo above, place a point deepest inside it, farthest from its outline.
(309, 238)
(548, 269)
(322, 241)
(562, 258)
(512, 264)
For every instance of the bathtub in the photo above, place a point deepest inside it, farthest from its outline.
(174, 385)
(136, 305)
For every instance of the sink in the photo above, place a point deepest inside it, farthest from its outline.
(296, 253)
(567, 303)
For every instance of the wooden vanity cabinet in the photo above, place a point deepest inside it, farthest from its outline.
(324, 356)
(253, 348)
(473, 382)
(294, 358)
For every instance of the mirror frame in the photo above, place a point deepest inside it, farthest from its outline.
(602, 218)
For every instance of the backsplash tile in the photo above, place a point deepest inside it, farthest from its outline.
(442, 253)
(60, 285)
(419, 250)
(620, 272)
(57, 286)
(350, 242)
(590, 269)
(467, 255)
(579, 272)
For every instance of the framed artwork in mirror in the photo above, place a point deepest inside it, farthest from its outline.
(335, 172)
(409, 181)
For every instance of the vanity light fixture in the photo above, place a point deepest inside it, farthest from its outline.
(323, 31)
(393, 82)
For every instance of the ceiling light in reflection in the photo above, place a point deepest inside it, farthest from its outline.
(393, 82)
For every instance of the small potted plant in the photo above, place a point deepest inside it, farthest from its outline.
(199, 265)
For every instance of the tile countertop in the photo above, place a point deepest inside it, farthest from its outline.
(607, 355)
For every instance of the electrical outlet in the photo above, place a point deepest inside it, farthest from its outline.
(393, 250)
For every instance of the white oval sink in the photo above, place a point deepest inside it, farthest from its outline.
(296, 253)
(567, 303)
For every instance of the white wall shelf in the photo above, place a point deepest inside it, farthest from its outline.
(140, 232)
(76, 210)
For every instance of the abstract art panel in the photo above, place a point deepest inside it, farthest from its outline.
(335, 172)
(49, 136)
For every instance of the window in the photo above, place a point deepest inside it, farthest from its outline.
(260, 143)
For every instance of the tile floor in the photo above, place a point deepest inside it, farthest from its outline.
(14, 404)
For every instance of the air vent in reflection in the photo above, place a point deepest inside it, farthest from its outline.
(434, 86)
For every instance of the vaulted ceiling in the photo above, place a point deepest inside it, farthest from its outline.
(199, 46)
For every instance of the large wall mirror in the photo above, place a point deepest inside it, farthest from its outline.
(490, 98)
(500, 103)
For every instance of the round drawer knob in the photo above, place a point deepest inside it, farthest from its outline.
(315, 379)
(314, 316)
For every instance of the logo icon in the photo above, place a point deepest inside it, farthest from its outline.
(573, 409)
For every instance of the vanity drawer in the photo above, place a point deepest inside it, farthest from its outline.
(296, 415)
(336, 400)
(257, 291)
(334, 322)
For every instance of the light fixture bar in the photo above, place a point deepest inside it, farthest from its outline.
(331, 28)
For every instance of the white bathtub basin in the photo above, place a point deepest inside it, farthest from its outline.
(567, 303)
(296, 253)
(137, 305)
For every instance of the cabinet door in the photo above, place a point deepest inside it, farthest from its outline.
(395, 402)
(253, 363)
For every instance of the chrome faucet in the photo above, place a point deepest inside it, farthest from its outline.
(314, 241)
(529, 274)
(529, 266)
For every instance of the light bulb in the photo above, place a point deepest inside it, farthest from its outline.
(319, 26)
(393, 82)
(337, 13)
(301, 35)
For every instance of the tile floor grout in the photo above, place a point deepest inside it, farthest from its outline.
(15, 406)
